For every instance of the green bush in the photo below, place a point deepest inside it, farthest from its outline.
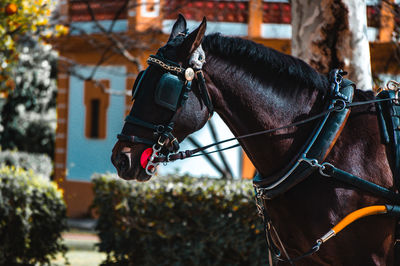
(178, 221)
(39, 163)
(32, 217)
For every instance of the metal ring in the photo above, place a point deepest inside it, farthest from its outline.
(160, 129)
(342, 105)
(155, 149)
(314, 162)
(169, 158)
(153, 170)
(323, 167)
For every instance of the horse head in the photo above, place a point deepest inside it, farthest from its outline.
(169, 104)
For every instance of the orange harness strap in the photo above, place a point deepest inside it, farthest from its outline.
(358, 214)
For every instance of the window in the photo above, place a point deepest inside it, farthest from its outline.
(96, 104)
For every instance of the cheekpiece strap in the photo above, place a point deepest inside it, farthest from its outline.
(204, 92)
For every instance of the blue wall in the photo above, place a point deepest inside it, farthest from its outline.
(87, 156)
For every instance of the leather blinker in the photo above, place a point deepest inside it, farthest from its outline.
(168, 91)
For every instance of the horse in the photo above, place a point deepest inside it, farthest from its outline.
(255, 88)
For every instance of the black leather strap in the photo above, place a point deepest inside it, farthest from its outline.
(388, 113)
(204, 93)
(362, 184)
(135, 139)
(138, 122)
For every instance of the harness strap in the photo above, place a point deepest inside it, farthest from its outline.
(388, 114)
(273, 251)
(134, 139)
(204, 93)
(355, 181)
(138, 122)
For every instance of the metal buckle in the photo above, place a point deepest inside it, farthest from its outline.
(161, 143)
(151, 167)
(311, 162)
(314, 163)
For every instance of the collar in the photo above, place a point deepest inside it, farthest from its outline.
(314, 151)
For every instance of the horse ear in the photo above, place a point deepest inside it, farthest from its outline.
(179, 27)
(194, 39)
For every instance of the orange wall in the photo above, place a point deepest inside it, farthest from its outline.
(78, 197)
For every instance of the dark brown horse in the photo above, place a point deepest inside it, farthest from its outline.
(254, 88)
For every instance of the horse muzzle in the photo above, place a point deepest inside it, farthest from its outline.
(126, 162)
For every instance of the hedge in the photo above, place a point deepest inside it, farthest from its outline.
(32, 217)
(40, 163)
(178, 221)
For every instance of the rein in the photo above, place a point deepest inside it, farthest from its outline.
(192, 153)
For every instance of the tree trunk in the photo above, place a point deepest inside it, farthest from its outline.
(331, 34)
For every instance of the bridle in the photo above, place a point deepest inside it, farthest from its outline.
(171, 93)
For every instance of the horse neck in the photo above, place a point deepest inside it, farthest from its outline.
(248, 105)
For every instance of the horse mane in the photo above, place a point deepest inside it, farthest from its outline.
(267, 64)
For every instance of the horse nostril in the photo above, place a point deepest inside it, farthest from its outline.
(123, 161)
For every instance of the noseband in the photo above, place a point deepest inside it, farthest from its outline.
(172, 92)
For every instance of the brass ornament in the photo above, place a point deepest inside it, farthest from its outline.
(394, 86)
(189, 74)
